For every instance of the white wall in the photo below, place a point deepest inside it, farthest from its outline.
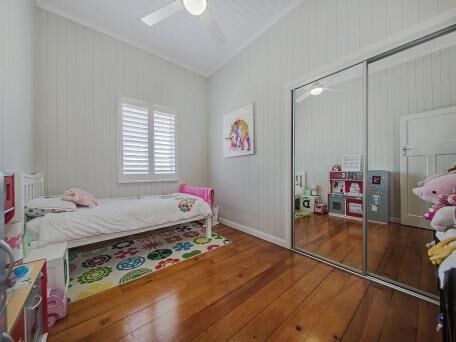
(251, 190)
(16, 85)
(80, 73)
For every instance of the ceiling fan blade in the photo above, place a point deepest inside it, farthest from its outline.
(208, 19)
(302, 97)
(163, 13)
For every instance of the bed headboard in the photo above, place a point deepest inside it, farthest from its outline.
(28, 187)
(32, 186)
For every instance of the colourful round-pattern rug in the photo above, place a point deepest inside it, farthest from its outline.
(93, 275)
(122, 244)
(96, 260)
(123, 260)
(160, 254)
(138, 273)
(202, 240)
(130, 263)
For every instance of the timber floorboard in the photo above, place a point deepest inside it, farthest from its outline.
(252, 290)
(394, 251)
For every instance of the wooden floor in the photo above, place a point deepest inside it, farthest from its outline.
(394, 251)
(247, 290)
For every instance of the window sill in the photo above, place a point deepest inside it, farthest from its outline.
(161, 180)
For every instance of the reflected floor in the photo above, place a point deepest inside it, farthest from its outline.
(395, 251)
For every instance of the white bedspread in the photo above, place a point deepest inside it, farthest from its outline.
(116, 215)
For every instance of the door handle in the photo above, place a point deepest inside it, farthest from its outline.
(404, 150)
(38, 300)
(7, 249)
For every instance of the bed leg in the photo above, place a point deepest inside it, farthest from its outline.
(209, 227)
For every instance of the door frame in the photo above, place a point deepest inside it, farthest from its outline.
(428, 30)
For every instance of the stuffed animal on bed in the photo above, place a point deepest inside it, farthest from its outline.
(441, 191)
(80, 197)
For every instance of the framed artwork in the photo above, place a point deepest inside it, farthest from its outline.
(351, 162)
(238, 132)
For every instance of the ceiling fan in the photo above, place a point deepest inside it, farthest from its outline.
(314, 90)
(194, 7)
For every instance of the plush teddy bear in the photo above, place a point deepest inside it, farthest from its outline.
(441, 191)
(80, 197)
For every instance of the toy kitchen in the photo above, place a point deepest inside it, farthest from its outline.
(346, 192)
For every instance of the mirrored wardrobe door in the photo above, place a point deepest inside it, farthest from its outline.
(411, 121)
(328, 147)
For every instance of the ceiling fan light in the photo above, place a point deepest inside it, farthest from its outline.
(316, 91)
(195, 7)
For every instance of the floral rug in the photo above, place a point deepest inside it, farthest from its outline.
(108, 264)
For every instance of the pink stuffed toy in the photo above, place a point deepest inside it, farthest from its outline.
(441, 191)
(444, 218)
(80, 197)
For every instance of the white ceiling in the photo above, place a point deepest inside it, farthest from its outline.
(182, 38)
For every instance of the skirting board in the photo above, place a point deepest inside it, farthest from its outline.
(395, 219)
(255, 232)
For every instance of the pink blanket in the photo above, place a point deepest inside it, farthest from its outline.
(207, 194)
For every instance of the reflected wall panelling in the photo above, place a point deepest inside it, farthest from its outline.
(79, 75)
(252, 192)
(425, 83)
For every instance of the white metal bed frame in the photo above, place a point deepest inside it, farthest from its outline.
(32, 186)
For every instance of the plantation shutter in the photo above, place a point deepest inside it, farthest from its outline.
(135, 140)
(164, 143)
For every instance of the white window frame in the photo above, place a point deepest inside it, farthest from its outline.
(151, 177)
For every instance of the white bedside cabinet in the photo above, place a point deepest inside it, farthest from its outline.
(56, 256)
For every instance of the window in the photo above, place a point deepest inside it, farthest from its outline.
(164, 143)
(147, 142)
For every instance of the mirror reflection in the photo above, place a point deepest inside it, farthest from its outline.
(328, 141)
(411, 95)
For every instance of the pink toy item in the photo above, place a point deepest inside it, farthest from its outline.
(321, 208)
(80, 197)
(443, 201)
(435, 186)
(444, 218)
(441, 191)
(56, 305)
(207, 194)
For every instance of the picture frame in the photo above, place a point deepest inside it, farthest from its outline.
(351, 162)
(238, 132)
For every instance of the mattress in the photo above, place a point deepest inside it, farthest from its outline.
(115, 216)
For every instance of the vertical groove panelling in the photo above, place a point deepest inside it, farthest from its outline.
(16, 85)
(420, 83)
(250, 190)
(81, 73)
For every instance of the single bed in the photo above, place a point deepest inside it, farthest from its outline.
(112, 218)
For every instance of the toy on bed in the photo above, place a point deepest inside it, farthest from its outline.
(80, 197)
(440, 190)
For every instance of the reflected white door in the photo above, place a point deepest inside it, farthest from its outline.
(428, 146)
